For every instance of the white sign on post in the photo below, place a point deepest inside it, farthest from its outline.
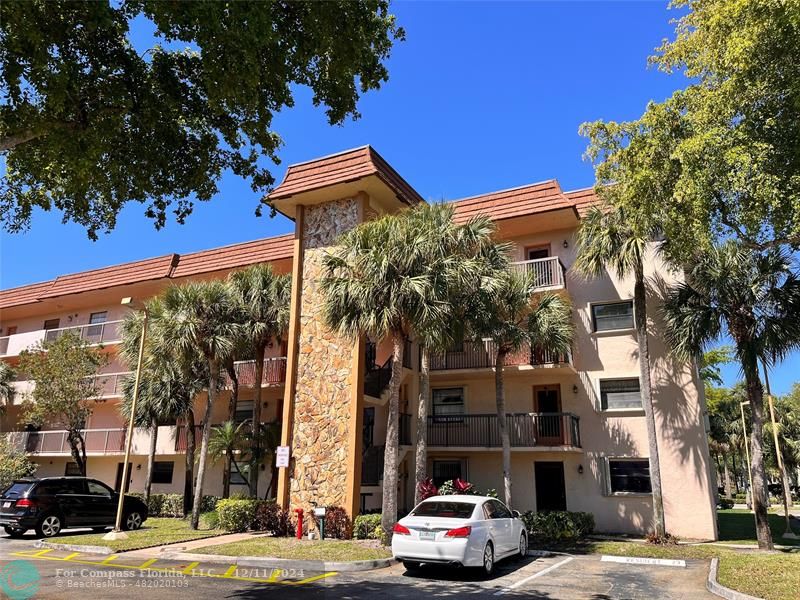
(282, 456)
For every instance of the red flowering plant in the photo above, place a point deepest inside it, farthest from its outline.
(427, 489)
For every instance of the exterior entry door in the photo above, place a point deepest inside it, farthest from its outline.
(547, 403)
(550, 491)
(118, 481)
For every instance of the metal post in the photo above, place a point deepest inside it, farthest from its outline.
(117, 533)
(779, 455)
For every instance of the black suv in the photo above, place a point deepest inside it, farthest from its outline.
(50, 504)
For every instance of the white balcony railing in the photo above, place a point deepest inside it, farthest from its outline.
(547, 273)
(98, 441)
(110, 385)
(98, 333)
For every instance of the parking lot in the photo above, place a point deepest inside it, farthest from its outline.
(62, 574)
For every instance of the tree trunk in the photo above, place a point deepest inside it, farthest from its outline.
(640, 302)
(213, 367)
(234, 399)
(389, 504)
(735, 472)
(257, 458)
(78, 450)
(755, 394)
(502, 424)
(421, 457)
(151, 459)
(728, 484)
(188, 484)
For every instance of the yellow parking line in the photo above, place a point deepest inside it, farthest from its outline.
(275, 574)
(188, 570)
(42, 552)
(314, 578)
(109, 559)
(71, 556)
(231, 570)
(147, 563)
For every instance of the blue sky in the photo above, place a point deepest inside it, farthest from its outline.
(481, 96)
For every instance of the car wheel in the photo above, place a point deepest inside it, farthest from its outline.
(412, 565)
(14, 532)
(133, 520)
(49, 526)
(523, 545)
(488, 560)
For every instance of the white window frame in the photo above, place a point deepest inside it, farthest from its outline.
(607, 477)
(624, 330)
(599, 399)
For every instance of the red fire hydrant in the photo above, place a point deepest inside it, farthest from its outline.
(299, 512)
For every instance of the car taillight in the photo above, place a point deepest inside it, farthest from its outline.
(459, 532)
(25, 503)
(401, 529)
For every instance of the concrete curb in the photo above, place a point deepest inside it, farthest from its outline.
(73, 547)
(281, 563)
(720, 590)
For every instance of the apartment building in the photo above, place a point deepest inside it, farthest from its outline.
(578, 434)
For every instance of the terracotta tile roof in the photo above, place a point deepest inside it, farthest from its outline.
(515, 202)
(583, 199)
(169, 266)
(343, 167)
(26, 294)
(235, 255)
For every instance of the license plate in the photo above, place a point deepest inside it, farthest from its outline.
(6, 504)
(427, 535)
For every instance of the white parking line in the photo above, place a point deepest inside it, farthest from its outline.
(635, 560)
(532, 577)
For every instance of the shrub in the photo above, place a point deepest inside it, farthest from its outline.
(272, 518)
(236, 514)
(458, 486)
(558, 525)
(209, 520)
(725, 503)
(171, 505)
(207, 504)
(667, 538)
(366, 527)
(427, 488)
(337, 523)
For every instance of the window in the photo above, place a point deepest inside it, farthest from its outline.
(237, 477)
(439, 508)
(71, 470)
(162, 471)
(51, 324)
(620, 394)
(448, 402)
(11, 330)
(98, 317)
(244, 411)
(537, 253)
(445, 470)
(612, 316)
(629, 476)
(98, 489)
(494, 509)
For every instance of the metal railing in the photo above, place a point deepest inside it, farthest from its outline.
(274, 372)
(405, 429)
(372, 465)
(110, 385)
(98, 333)
(526, 430)
(482, 355)
(104, 441)
(547, 273)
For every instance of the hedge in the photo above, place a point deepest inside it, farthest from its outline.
(171, 505)
(367, 527)
(236, 514)
(272, 518)
(558, 525)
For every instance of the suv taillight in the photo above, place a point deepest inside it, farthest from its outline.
(460, 532)
(25, 503)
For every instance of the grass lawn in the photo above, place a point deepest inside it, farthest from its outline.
(737, 526)
(154, 532)
(328, 550)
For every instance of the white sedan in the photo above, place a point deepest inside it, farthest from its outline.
(469, 531)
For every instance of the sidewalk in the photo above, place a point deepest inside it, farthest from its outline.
(156, 551)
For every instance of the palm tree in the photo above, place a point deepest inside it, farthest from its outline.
(514, 316)
(228, 439)
(7, 390)
(755, 298)
(262, 301)
(200, 319)
(617, 241)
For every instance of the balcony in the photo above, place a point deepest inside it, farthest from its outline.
(526, 430)
(99, 333)
(274, 372)
(110, 385)
(98, 441)
(547, 273)
(482, 356)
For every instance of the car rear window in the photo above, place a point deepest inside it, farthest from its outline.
(17, 489)
(455, 510)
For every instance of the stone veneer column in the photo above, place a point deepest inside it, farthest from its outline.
(324, 389)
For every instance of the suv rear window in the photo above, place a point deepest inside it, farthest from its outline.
(17, 489)
(454, 510)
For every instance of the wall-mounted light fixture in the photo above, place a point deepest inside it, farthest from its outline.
(138, 467)
(575, 389)
(580, 469)
(566, 244)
